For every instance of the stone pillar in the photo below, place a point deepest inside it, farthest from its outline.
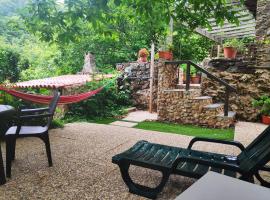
(167, 76)
(167, 80)
(263, 33)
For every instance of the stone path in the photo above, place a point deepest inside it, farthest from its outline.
(247, 131)
(82, 167)
(133, 118)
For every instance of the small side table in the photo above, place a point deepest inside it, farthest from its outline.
(213, 186)
(5, 111)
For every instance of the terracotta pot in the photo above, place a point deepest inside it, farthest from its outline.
(143, 59)
(195, 79)
(230, 52)
(184, 78)
(167, 55)
(266, 119)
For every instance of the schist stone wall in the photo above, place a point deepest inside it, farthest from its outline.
(250, 84)
(263, 33)
(186, 107)
(136, 78)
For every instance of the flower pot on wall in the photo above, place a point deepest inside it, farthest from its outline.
(167, 55)
(266, 119)
(230, 52)
(195, 79)
(143, 59)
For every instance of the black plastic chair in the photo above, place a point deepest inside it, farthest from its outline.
(191, 163)
(21, 130)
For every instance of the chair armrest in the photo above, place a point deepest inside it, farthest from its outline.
(24, 117)
(25, 111)
(222, 165)
(232, 143)
(265, 168)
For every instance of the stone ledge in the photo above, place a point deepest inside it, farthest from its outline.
(214, 106)
(231, 114)
(202, 98)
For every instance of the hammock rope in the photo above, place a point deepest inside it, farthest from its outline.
(45, 99)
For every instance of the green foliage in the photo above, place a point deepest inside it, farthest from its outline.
(9, 63)
(190, 46)
(235, 43)
(42, 60)
(190, 130)
(263, 103)
(106, 104)
(193, 70)
(60, 22)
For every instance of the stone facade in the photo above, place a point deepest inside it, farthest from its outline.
(250, 84)
(263, 33)
(136, 78)
(187, 107)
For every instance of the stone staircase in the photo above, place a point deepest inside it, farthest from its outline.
(189, 107)
(186, 105)
(212, 114)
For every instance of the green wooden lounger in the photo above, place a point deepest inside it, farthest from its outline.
(187, 162)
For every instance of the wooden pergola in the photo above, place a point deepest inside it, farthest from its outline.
(246, 15)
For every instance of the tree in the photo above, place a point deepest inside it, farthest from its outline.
(56, 22)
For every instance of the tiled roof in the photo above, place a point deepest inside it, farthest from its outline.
(60, 81)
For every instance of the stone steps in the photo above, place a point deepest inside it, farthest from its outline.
(191, 86)
(211, 114)
(231, 114)
(202, 98)
(214, 107)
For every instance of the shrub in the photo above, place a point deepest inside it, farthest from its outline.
(9, 65)
(263, 103)
(108, 103)
(143, 52)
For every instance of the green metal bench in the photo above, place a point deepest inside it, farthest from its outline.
(191, 163)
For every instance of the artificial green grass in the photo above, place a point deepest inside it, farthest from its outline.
(190, 130)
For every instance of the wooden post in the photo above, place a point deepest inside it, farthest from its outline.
(218, 51)
(151, 77)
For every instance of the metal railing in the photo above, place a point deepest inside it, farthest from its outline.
(228, 88)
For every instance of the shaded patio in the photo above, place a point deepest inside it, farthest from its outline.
(82, 163)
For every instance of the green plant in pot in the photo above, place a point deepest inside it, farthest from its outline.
(167, 53)
(263, 103)
(195, 78)
(231, 46)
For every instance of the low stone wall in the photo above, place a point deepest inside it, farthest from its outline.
(250, 84)
(136, 79)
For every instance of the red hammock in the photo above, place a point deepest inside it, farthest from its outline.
(43, 99)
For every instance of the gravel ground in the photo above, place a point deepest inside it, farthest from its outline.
(82, 164)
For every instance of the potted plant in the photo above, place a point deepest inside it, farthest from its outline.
(143, 55)
(231, 47)
(167, 54)
(263, 102)
(194, 78)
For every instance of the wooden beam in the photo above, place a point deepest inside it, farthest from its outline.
(244, 31)
(228, 25)
(218, 51)
(240, 33)
(249, 26)
(208, 35)
(151, 77)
